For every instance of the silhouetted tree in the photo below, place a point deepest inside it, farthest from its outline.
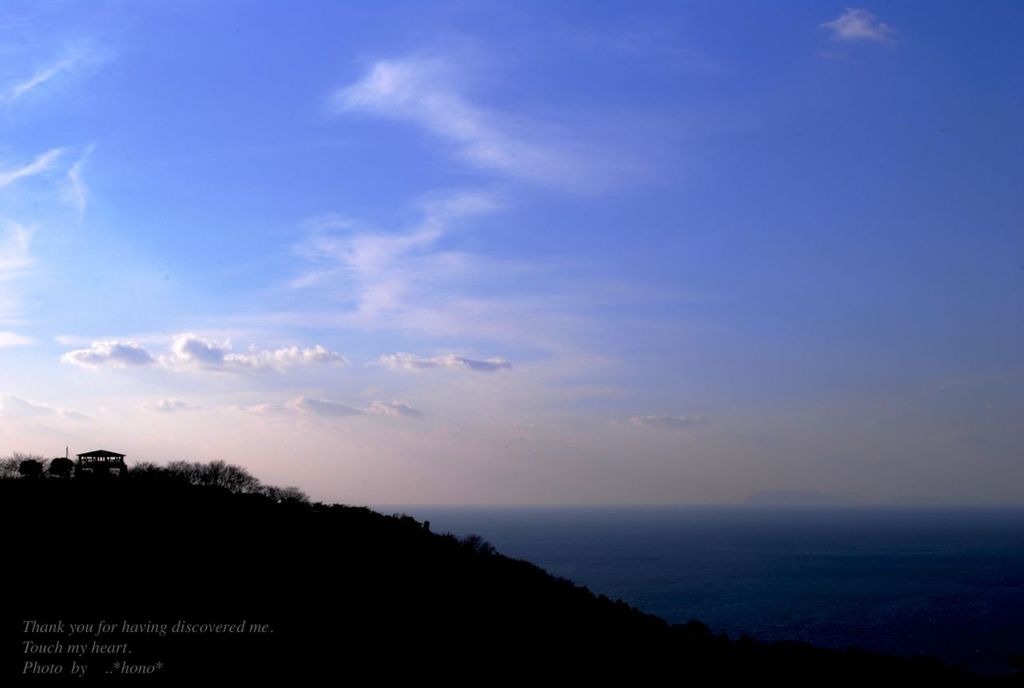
(61, 468)
(185, 470)
(284, 495)
(477, 544)
(9, 467)
(235, 478)
(146, 468)
(216, 474)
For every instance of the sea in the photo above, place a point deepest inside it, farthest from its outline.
(946, 582)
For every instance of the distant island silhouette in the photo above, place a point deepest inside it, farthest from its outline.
(253, 582)
(804, 498)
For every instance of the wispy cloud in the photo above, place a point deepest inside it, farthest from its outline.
(859, 25)
(170, 406)
(429, 92)
(75, 192)
(13, 406)
(405, 361)
(386, 268)
(76, 56)
(394, 408)
(664, 421)
(39, 78)
(417, 280)
(268, 409)
(14, 339)
(42, 163)
(329, 408)
(14, 262)
(14, 244)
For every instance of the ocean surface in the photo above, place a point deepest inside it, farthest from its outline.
(946, 582)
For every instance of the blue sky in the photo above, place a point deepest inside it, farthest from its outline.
(507, 253)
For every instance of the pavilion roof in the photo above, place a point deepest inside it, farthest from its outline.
(100, 454)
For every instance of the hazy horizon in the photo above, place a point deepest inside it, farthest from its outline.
(520, 253)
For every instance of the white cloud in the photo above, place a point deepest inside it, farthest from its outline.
(668, 421)
(110, 353)
(279, 359)
(18, 407)
(188, 349)
(859, 25)
(170, 406)
(42, 162)
(191, 351)
(14, 339)
(323, 408)
(406, 361)
(428, 93)
(393, 408)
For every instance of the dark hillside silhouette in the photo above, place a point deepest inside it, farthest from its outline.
(347, 592)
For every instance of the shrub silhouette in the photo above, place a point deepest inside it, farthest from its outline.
(61, 468)
(30, 468)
